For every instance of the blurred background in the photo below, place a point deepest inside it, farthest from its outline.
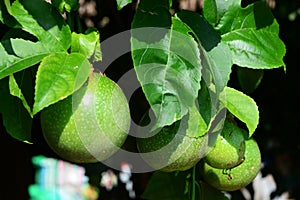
(277, 98)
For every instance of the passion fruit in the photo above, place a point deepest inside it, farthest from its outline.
(173, 148)
(237, 177)
(229, 148)
(90, 125)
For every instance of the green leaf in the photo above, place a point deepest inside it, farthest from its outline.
(213, 10)
(216, 56)
(210, 11)
(167, 186)
(209, 193)
(16, 91)
(1, 18)
(249, 79)
(123, 3)
(5, 14)
(87, 44)
(252, 35)
(257, 49)
(16, 118)
(205, 103)
(218, 62)
(254, 16)
(40, 19)
(32, 48)
(152, 13)
(241, 106)
(8, 6)
(11, 64)
(197, 126)
(169, 70)
(58, 76)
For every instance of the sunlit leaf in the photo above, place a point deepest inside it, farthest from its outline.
(58, 76)
(42, 21)
(216, 56)
(252, 35)
(257, 49)
(87, 44)
(241, 106)
(169, 71)
(38, 18)
(122, 3)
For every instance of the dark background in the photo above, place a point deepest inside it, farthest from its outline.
(277, 98)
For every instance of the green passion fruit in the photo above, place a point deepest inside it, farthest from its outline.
(90, 125)
(173, 148)
(237, 177)
(229, 148)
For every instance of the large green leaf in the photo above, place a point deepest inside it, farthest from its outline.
(167, 63)
(58, 76)
(167, 186)
(257, 49)
(42, 21)
(16, 118)
(122, 3)
(241, 106)
(216, 56)
(252, 35)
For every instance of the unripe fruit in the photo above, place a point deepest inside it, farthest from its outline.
(90, 125)
(229, 148)
(173, 148)
(237, 177)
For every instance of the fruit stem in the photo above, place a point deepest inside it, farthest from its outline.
(193, 182)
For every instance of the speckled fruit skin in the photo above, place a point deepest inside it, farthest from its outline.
(237, 177)
(172, 148)
(90, 125)
(229, 149)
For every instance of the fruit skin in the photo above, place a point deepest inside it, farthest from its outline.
(229, 148)
(173, 148)
(90, 125)
(237, 177)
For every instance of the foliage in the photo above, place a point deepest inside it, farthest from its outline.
(45, 41)
(180, 60)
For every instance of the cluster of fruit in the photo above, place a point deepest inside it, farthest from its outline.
(93, 123)
(234, 161)
(231, 163)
